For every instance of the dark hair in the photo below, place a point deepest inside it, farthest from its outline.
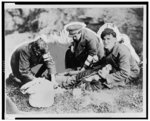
(41, 45)
(108, 31)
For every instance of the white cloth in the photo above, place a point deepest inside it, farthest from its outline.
(41, 92)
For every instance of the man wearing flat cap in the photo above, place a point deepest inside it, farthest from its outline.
(85, 49)
(29, 55)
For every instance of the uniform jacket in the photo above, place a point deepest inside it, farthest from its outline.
(124, 65)
(23, 59)
(89, 44)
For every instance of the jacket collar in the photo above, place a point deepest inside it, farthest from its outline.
(114, 50)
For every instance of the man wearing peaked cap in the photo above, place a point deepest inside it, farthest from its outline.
(74, 29)
(85, 48)
(29, 55)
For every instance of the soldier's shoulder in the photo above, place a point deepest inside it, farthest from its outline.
(89, 34)
(121, 48)
(24, 49)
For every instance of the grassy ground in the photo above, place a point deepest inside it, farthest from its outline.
(125, 100)
(121, 100)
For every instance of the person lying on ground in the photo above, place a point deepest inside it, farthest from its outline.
(87, 77)
(124, 66)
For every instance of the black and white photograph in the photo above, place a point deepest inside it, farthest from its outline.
(75, 60)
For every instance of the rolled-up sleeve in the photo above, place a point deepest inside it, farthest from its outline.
(49, 63)
(24, 67)
(124, 67)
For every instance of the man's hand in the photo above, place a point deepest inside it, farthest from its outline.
(94, 77)
(53, 79)
(95, 59)
(47, 57)
(102, 73)
(82, 69)
(105, 71)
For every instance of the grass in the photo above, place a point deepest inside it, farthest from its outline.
(117, 100)
(121, 100)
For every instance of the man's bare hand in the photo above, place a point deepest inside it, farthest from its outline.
(105, 71)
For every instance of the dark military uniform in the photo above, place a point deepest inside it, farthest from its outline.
(23, 59)
(125, 68)
(89, 44)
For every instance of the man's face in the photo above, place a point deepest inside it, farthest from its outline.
(41, 48)
(76, 37)
(109, 42)
(37, 51)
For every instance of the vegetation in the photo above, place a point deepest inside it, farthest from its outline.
(48, 21)
(23, 24)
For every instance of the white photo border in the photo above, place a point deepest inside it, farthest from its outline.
(143, 115)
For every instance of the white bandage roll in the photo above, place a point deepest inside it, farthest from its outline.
(47, 56)
(95, 59)
(87, 63)
(89, 58)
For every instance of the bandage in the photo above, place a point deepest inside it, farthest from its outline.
(88, 60)
(46, 57)
(95, 58)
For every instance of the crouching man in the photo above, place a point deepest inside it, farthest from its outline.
(85, 49)
(25, 57)
(124, 66)
(119, 66)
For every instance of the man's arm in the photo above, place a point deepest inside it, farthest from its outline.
(92, 52)
(49, 63)
(124, 67)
